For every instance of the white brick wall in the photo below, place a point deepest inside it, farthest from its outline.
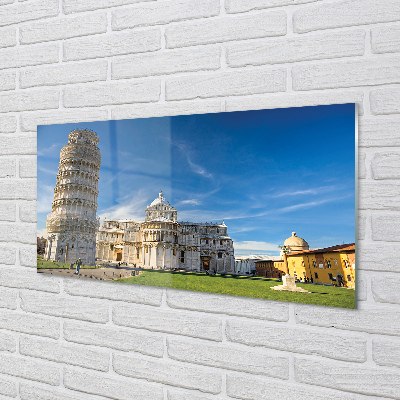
(69, 61)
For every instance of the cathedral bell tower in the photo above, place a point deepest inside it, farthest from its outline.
(72, 224)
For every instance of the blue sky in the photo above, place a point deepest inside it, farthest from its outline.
(265, 173)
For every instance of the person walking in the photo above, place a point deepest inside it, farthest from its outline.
(78, 266)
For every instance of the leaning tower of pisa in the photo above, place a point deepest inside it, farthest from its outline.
(72, 224)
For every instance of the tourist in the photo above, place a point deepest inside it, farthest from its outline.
(78, 266)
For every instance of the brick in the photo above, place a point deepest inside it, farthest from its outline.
(8, 124)
(64, 74)
(163, 13)
(386, 351)
(7, 211)
(378, 195)
(385, 101)
(378, 132)
(127, 42)
(386, 227)
(166, 109)
(148, 343)
(16, 189)
(220, 304)
(114, 93)
(7, 167)
(311, 47)
(237, 6)
(336, 74)
(378, 256)
(21, 233)
(225, 29)
(228, 357)
(28, 368)
(88, 310)
(385, 39)
(358, 379)
(295, 100)
(28, 167)
(386, 165)
(32, 392)
(66, 353)
(63, 28)
(31, 324)
(29, 121)
(361, 286)
(21, 144)
(8, 388)
(23, 278)
(72, 6)
(29, 100)
(163, 320)
(108, 290)
(111, 387)
(373, 320)
(297, 340)
(22, 56)
(28, 256)
(8, 298)
(7, 255)
(167, 372)
(27, 211)
(253, 388)
(362, 221)
(7, 79)
(8, 37)
(186, 395)
(226, 84)
(386, 289)
(166, 63)
(27, 11)
(345, 13)
(362, 170)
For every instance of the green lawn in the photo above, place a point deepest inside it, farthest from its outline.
(42, 264)
(244, 286)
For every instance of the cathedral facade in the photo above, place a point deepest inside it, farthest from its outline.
(160, 241)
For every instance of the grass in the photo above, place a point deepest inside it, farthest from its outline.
(43, 264)
(244, 286)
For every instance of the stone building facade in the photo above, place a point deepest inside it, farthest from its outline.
(72, 225)
(160, 241)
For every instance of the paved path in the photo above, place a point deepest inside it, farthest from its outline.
(109, 273)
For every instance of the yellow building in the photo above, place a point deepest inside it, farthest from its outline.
(329, 265)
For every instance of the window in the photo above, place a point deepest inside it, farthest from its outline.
(219, 255)
(315, 264)
(348, 278)
(220, 242)
(328, 264)
(112, 247)
(72, 246)
(182, 256)
(174, 252)
(335, 262)
(330, 277)
(137, 252)
(316, 275)
(206, 241)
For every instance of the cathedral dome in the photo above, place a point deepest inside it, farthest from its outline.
(296, 243)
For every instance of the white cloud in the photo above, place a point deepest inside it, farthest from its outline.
(131, 208)
(42, 233)
(196, 168)
(55, 147)
(192, 202)
(255, 246)
(45, 198)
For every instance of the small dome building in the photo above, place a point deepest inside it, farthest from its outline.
(295, 243)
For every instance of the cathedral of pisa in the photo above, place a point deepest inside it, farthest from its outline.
(160, 241)
(163, 242)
